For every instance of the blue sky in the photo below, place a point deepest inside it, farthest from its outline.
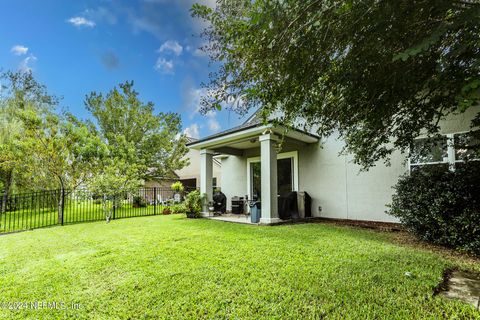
(75, 47)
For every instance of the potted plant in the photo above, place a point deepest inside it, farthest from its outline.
(193, 204)
(177, 188)
(211, 208)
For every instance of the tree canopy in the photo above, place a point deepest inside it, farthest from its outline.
(148, 143)
(39, 148)
(20, 94)
(67, 152)
(378, 72)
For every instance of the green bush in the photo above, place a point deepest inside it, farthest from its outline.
(139, 202)
(178, 208)
(193, 204)
(441, 206)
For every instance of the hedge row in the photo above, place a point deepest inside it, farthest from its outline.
(441, 206)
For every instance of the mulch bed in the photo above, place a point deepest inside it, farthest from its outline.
(382, 226)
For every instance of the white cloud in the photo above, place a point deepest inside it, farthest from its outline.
(19, 50)
(172, 46)
(192, 107)
(213, 125)
(212, 122)
(81, 22)
(164, 66)
(25, 64)
(192, 99)
(101, 14)
(199, 53)
(192, 131)
(146, 19)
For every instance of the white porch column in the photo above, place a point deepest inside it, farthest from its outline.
(268, 159)
(206, 175)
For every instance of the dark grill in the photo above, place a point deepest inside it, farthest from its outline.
(237, 205)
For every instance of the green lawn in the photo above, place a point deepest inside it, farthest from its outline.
(76, 211)
(172, 267)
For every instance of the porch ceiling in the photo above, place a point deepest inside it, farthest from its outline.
(235, 141)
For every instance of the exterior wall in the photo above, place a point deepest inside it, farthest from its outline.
(459, 123)
(192, 171)
(322, 174)
(368, 193)
(234, 175)
(341, 189)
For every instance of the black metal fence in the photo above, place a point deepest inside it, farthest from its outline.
(53, 207)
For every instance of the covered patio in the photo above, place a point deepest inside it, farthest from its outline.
(256, 149)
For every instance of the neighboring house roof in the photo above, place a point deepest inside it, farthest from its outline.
(170, 175)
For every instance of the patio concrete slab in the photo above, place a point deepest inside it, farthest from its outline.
(237, 218)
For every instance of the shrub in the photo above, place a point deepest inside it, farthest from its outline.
(139, 202)
(177, 187)
(441, 206)
(193, 204)
(97, 201)
(166, 211)
(178, 208)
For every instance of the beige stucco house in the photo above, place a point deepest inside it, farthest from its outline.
(251, 164)
(190, 175)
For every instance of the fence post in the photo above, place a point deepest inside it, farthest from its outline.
(114, 206)
(154, 200)
(63, 204)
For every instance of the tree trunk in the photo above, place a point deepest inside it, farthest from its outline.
(106, 211)
(8, 185)
(61, 200)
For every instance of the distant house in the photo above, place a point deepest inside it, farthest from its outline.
(189, 176)
(253, 166)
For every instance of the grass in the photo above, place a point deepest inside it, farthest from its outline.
(74, 212)
(164, 267)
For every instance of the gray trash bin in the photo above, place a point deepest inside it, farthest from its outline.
(255, 211)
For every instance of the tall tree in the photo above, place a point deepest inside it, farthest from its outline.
(19, 93)
(379, 72)
(151, 143)
(65, 151)
(40, 149)
(69, 150)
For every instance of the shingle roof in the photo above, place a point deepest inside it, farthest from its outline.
(246, 125)
(253, 121)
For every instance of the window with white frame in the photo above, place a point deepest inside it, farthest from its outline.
(214, 183)
(444, 150)
(467, 147)
(429, 151)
